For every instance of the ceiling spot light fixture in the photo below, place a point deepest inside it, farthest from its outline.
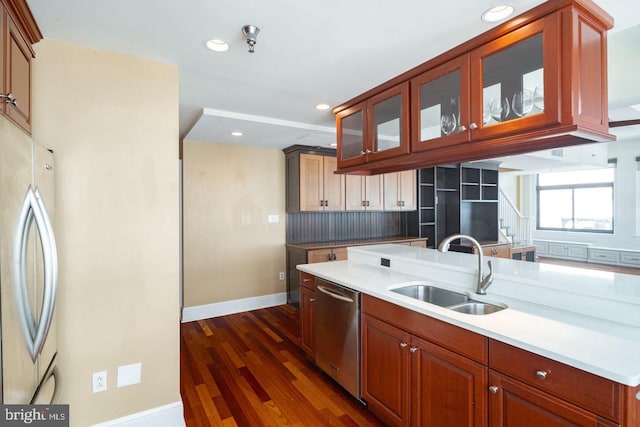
(217, 45)
(323, 107)
(497, 13)
(236, 133)
(250, 32)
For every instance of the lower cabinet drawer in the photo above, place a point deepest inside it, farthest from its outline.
(603, 255)
(464, 342)
(591, 392)
(630, 258)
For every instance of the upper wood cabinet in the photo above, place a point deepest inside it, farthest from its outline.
(376, 129)
(320, 188)
(364, 193)
(400, 191)
(18, 31)
(311, 184)
(440, 106)
(18, 77)
(536, 82)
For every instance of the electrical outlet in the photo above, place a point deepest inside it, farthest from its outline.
(281, 275)
(99, 381)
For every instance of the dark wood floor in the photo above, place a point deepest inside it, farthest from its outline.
(246, 369)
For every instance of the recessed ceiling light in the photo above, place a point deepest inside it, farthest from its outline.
(333, 144)
(497, 13)
(217, 45)
(323, 107)
(236, 133)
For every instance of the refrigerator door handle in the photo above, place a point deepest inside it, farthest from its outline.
(33, 208)
(52, 372)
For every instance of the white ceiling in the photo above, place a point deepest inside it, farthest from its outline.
(307, 52)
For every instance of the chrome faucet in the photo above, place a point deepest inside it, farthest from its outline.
(482, 282)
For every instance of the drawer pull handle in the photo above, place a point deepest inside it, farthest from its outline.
(312, 300)
(541, 374)
(493, 389)
(638, 395)
(403, 345)
(306, 280)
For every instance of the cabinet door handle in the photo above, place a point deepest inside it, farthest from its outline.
(403, 345)
(541, 374)
(312, 300)
(473, 126)
(367, 203)
(326, 203)
(463, 128)
(413, 349)
(9, 99)
(367, 151)
(399, 203)
(306, 280)
(364, 203)
(493, 389)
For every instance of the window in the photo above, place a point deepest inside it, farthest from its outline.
(576, 201)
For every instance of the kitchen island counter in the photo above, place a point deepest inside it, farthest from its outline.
(583, 318)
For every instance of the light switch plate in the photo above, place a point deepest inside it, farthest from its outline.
(273, 219)
(129, 374)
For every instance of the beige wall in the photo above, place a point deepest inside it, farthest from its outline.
(230, 250)
(112, 121)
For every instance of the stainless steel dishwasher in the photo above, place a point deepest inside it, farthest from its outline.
(337, 324)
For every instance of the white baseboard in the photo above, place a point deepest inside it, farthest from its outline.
(199, 312)
(171, 415)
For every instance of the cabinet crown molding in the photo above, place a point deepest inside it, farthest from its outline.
(21, 13)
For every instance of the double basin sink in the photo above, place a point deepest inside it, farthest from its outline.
(449, 299)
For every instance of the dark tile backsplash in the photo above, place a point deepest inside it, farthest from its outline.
(307, 227)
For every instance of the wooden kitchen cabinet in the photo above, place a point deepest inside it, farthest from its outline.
(311, 184)
(18, 30)
(448, 389)
(400, 191)
(307, 304)
(408, 379)
(538, 81)
(514, 404)
(364, 193)
(502, 250)
(528, 389)
(376, 129)
(324, 255)
(385, 370)
(320, 188)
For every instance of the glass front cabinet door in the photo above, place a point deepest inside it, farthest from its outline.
(376, 129)
(515, 82)
(440, 106)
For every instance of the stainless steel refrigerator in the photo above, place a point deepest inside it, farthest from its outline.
(28, 270)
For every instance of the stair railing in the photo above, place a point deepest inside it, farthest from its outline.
(516, 225)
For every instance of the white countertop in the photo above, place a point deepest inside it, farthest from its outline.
(587, 319)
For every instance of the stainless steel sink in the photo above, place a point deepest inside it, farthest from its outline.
(449, 299)
(433, 295)
(476, 308)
